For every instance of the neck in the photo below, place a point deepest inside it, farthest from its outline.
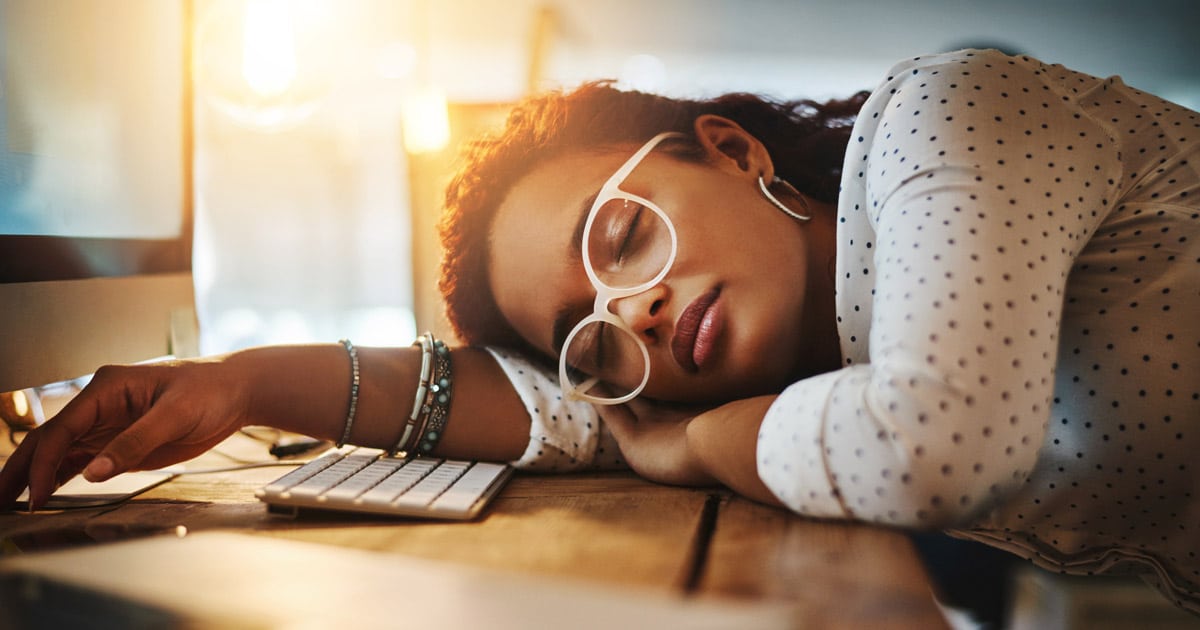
(822, 351)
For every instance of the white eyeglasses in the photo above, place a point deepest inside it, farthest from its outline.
(628, 247)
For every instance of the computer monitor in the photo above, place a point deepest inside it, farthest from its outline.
(95, 186)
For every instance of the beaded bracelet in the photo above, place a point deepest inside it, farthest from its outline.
(354, 385)
(410, 446)
(425, 341)
(436, 410)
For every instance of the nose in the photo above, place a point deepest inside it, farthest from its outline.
(644, 312)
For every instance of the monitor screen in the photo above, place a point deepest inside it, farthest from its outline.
(95, 186)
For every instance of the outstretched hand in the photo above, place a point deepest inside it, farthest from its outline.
(128, 418)
(653, 438)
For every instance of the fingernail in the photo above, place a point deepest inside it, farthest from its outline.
(99, 469)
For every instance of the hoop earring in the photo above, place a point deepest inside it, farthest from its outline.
(762, 185)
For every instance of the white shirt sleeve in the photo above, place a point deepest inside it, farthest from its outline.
(970, 184)
(564, 435)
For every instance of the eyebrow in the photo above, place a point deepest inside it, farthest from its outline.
(564, 316)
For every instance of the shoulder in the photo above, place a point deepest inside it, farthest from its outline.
(960, 68)
(963, 80)
(927, 109)
(959, 102)
(968, 115)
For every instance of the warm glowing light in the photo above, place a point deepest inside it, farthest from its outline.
(395, 60)
(426, 120)
(20, 403)
(268, 47)
(269, 64)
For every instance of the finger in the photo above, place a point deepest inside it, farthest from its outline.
(621, 422)
(114, 398)
(109, 398)
(68, 467)
(14, 477)
(51, 443)
(133, 445)
(72, 464)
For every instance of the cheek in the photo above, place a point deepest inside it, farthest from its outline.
(526, 275)
(734, 229)
(517, 301)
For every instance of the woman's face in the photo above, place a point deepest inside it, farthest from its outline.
(723, 323)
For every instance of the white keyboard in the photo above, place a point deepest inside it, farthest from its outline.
(356, 479)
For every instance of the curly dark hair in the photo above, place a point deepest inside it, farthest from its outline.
(805, 139)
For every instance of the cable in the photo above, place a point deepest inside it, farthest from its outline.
(263, 464)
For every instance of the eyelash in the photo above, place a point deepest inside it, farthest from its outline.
(629, 232)
(596, 345)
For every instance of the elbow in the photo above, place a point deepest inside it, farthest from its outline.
(950, 492)
(952, 455)
(941, 505)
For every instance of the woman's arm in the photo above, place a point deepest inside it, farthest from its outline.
(973, 179)
(972, 186)
(487, 420)
(149, 416)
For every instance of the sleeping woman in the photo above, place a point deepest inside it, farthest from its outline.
(965, 301)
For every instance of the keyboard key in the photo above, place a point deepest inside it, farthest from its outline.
(362, 481)
(430, 487)
(331, 476)
(300, 474)
(463, 494)
(388, 489)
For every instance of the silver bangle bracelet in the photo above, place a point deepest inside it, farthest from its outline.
(426, 344)
(355, 380)
(425, 341)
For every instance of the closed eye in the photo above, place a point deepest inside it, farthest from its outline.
(590, 351)
(630, 233)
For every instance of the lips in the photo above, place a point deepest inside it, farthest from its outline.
(696, 332)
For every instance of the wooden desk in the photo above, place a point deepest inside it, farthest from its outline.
(606, 529)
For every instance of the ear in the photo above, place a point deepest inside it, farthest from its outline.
(728, 144)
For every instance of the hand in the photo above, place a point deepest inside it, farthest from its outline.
(128, 418)
(654, 442)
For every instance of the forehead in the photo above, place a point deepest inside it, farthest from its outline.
(533, 271)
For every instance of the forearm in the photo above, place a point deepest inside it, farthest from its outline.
(306, 389)
(725, 442)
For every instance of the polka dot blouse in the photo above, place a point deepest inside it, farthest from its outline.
(565, 435)
(1018, 299)
(1019, 312)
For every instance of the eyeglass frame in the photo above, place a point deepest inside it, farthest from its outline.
(606, 294)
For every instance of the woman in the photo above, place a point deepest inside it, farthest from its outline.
(987, 328)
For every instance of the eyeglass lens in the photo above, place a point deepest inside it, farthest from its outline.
(629, 243)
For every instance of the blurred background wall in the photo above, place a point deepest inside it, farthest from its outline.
(326, 129)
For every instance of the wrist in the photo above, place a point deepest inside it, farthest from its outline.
(698, 467)
(302, 389)
(725, 445)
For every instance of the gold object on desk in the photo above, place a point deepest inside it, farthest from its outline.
(21, 409)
